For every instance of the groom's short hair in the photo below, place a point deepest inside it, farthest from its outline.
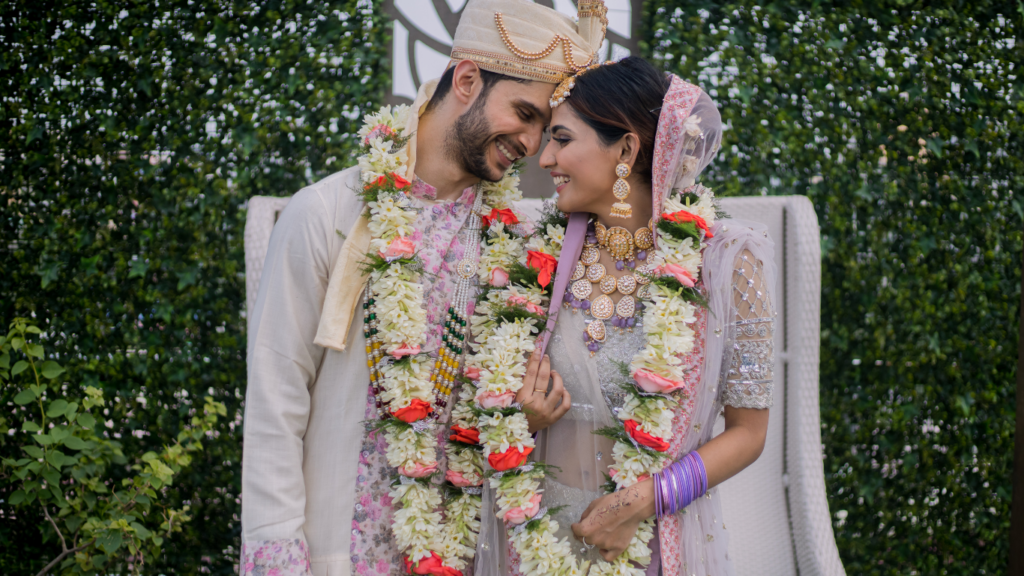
(489, 79)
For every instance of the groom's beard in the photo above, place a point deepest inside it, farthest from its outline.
(467, 141)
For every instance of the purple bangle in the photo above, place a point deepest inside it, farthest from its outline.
(657, 495)
(702, 471)
(678, 485)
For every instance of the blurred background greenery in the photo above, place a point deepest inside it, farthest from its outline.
(133, 134)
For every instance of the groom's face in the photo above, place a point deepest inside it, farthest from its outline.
(502, 125)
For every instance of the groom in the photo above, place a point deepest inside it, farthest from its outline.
(314, 483)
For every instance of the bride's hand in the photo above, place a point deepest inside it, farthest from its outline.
(543, 407)
(611, 521)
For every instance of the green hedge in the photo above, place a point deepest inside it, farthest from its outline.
(131, 135)
(902, 122)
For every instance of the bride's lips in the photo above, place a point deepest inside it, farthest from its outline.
(560, 180)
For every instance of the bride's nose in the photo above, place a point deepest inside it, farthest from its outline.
(547, 157)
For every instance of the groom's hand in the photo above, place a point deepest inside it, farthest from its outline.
(543, 406)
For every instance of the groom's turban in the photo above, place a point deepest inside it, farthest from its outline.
(522, 39)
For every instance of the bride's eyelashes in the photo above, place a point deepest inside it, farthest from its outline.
(562, 140)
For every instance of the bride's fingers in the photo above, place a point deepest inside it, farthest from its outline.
(532, 368)
(543, 376)
(526, 392)
(559, 394)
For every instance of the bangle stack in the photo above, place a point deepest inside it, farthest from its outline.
(680, 484)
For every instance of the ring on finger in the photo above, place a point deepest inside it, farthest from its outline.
(589, 546)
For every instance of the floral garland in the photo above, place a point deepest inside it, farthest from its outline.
(502, 334)
(436, 527)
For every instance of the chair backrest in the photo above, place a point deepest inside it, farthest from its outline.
(776, 510)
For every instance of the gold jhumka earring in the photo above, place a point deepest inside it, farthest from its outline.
(620, 190)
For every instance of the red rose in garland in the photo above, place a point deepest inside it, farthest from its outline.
(509, 459)
(643, 438)
(506, 216)
(416, 410)
(468, 436)
(684, 217)
(545, 264)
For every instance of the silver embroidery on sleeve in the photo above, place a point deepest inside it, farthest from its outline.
(750, 357)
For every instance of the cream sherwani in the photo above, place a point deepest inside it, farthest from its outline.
(304, 404)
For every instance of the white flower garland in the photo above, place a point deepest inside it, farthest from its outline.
(434, 533)
(640, 450)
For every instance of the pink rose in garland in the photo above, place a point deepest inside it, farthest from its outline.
(400, 247)
(459, 480)
(418, 470)
(405, 350)
(678, 272)
(530, 306)
(518, 515)
(379, 131)
(498, 277)
(655, 384)
(472, 372)
(488, 400)
(416, 410)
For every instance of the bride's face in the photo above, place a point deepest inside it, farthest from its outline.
(583, 168)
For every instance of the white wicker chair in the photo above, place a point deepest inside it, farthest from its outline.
(776, 509)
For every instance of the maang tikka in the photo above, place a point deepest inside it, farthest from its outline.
(621, 190)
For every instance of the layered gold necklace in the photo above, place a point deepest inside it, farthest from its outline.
(626, 248)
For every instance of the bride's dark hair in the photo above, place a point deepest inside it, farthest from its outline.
(621, 98)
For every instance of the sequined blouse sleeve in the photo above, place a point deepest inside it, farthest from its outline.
(750, 357)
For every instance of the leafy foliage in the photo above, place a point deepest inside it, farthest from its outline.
(131, 136)
(100, 525)
(902, 122)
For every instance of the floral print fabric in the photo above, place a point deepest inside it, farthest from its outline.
(374, 551)
(275, 558)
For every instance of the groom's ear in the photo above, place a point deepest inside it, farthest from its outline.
(467, 82)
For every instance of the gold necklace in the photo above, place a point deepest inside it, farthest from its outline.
(621, 245)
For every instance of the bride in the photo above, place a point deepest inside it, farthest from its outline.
(660, 321)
